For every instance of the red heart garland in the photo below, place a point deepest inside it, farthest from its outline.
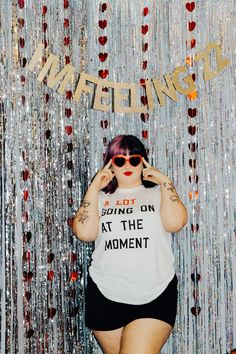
(69, 95)
(194, 228)
(192, 147)
(144, 100)
(191, 43)
(74, 276)
(195, 294)
(66, 22)
(66, 4)
(21, 22)
(67, 40)
(193, 179)
(50, 257)
(104, 7)
(28, 295)
(44, 10)
(21, 3)
(22, 42)
(73, 257)
(195, 310)
(142, 82)
(102, 24)
(144, 29)
(69, 147)
(67, 59)
(190, 6)
(29, 333)
(145, 134)
(197, 277)
(68, 129)
(103, 56)
(27, 276)
(103, 73)
(191, 26)
(102, 40)
(68, 112)
(44, 27)
(144, 117)
(192, 163)
(50, 275)
(25, 175)
(192, 129)
(194, 77)
(70, 200)
(145, 47)
(192, 112)
(145, 11)
(104, 124)
(51, 312)
(144, 65)
(25, 195)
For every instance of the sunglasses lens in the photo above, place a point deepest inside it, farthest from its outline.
(119, 161)
(135, 161)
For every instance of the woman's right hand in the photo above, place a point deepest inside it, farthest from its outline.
(103, 177)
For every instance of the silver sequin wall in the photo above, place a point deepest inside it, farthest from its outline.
(51, 146)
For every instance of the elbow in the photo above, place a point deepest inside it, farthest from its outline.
(83, 235)
(178, 225)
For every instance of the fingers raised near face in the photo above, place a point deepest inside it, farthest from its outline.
(108, 165)
(145, 162)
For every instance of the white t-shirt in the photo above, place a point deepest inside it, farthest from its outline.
(132, 262)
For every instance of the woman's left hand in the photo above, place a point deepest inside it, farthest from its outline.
(152, 174)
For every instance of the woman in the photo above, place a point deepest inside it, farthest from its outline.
(129, 210)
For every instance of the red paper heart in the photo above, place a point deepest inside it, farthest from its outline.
(194, 228)
(196, 277)
(66, 4)
(104, 7)
(66, 22)
(46, 98)
(50, 275)
(103, 73)
(194, 77)
(145, 11)
(45, 43)
(144, 100)
(22, 42)
(70, 200)
(25, 195)
(68, 112)
(144, 117)
(105, 89)
(28, 295)
(67, 40)
(69, 147)
(21, 22)
(69, 95)
(27, 276)
(44, 27)
(192, 163)
(73, 257)
(44, 10)
(25, 175)
(51, 312)
(102, 24)
(192, 112)
(27, 236)
(68, 129)
(192, 147)
(70, 220)
(191, 43)
(48, 133)
(104, 124)
(21, 3)
(190, 6)
(195, 294)
(192, 129)
(23, 62)
(145, 47)
(103, 56)
(144, 134)
(142, 82)
(193, 179)
(50, 257)
(191, 26)
(102, 40)
(67, 59)
(144, 65)
(26, 256)
(144, 29)
(195, 310)
(74, 276)
(29, 333)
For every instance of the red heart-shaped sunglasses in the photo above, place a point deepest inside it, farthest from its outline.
(120, 160)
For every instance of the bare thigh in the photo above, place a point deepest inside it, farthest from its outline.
(145, 335)
(109, 340)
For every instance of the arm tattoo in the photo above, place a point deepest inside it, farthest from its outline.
(83, 215)
(170, 187)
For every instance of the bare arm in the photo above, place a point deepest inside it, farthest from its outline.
(173, 213)
(86, 220)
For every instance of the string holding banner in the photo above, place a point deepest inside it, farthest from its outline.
(122, 97)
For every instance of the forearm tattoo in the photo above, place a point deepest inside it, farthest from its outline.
(170, 187)
(83, 214)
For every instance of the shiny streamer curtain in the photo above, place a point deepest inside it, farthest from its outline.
(51, 146)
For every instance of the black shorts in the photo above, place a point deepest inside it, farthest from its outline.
(104, 314)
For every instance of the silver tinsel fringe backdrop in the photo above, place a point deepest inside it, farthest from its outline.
(52, 145)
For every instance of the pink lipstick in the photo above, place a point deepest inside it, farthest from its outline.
(128, 173)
